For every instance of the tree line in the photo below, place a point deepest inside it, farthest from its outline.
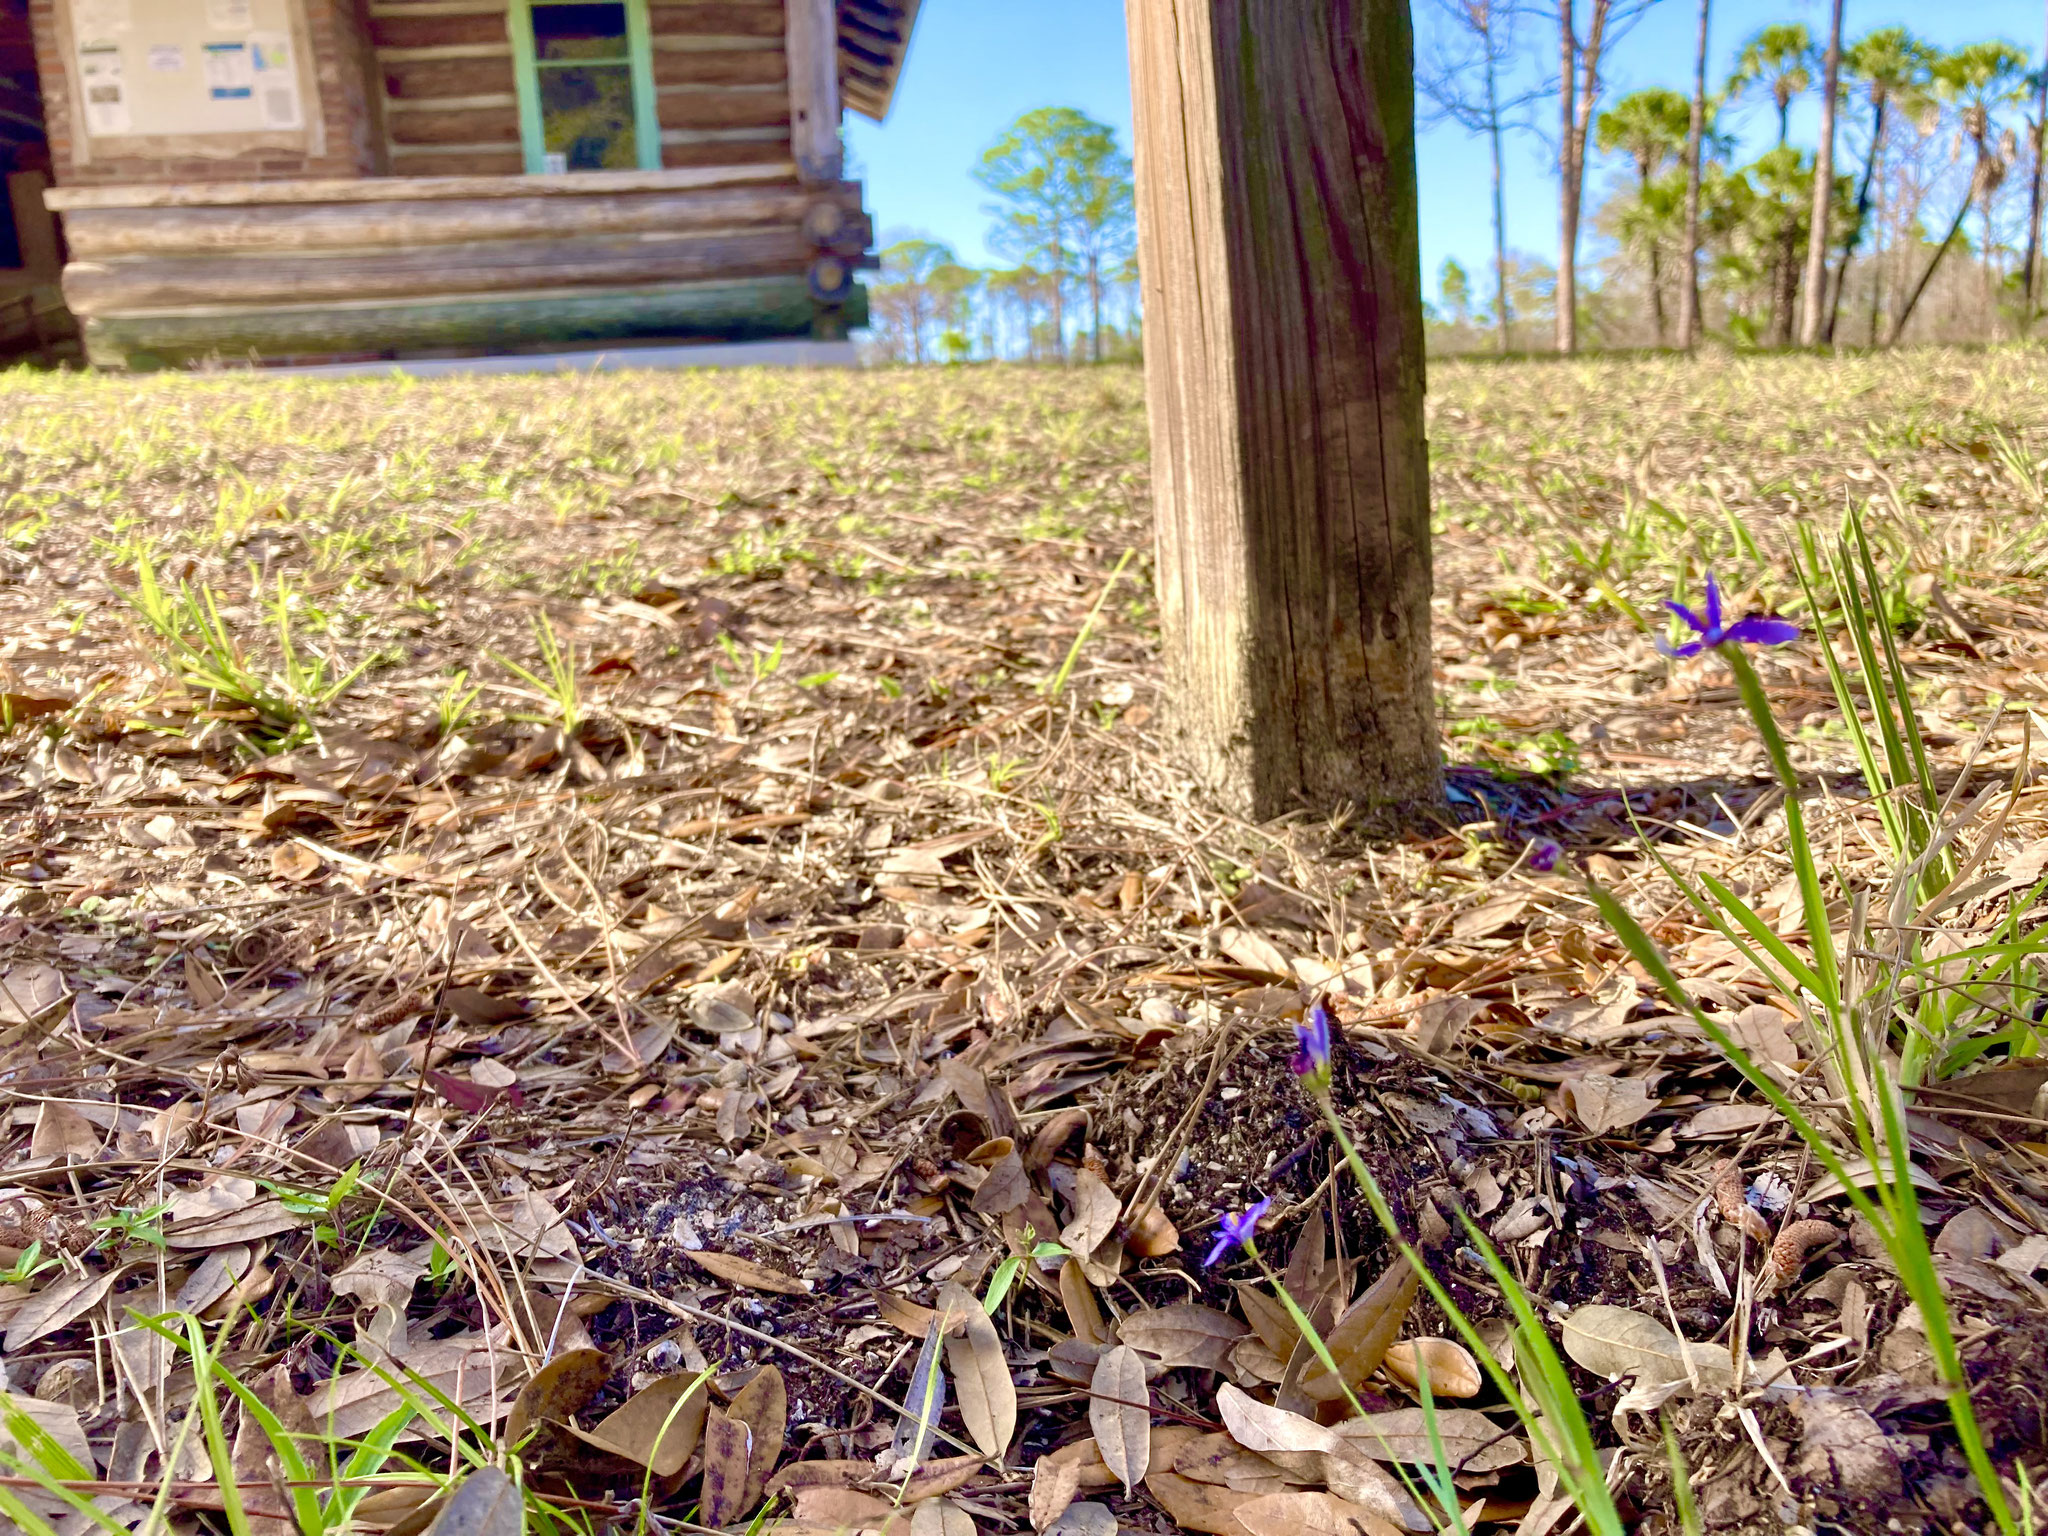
(1915, 215)
(1062, 201)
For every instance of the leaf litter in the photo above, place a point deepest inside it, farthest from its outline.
(738, 915)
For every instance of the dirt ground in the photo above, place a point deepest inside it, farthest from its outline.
(685, 867)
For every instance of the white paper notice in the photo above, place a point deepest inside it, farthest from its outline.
(106, 99)
(94, 21)
(230, 75)
(166, 58)
(277, 79)
(228, 15)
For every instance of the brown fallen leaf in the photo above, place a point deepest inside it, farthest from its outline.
(1220, 1459)
(488, 1503)
(1310, 1514)
(1120, 1413)
(1269, 1320)
(1085, 1519)
(557, 1391)
(1604, 1102)
(1193, 1506)
(942, 1517)
(1084, 1312)
(650, 1429)
(844, 1509)
(1096, 1211)
(763, 1406)
(728, 1463)
(981, 1373)
(1618, 1341)
(1054, 1485)
(1183, 1335)
(734, 1270)
(1362, 1336)
(1452, 1370)
(1472, 1443)
(1085, 1457)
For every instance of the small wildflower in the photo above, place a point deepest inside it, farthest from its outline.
(1712, 632)
(1544, 852)
(1311, 1061)
(1237, 1231)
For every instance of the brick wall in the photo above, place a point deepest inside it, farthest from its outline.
(340, 55)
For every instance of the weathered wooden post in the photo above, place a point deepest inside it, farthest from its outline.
(1283, 358)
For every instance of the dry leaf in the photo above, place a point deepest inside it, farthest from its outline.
(1096, 1212)
(941, 1517)
(1269, 1320)
(557, 1391)
(1183, 1335)
(1084, 1312)
(649, 1429)
(58, 1305)
(1085, 1519)
(1120, 1413)
(981, 1373)
(62, 1134)
(734, 1270)
(1603, 1103)
(1311, 1514)
(487, 1504)
(1472, 1442)
(1617, 1341)
(1194, 1506)
(1220, 1459)
(728, 1464)
(1362, 1336)
(1250, 950)
(1054, 1485)
(1452, 1370)
(924, 1403)
(763, 1406)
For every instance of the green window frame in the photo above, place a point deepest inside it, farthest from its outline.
(527, 67)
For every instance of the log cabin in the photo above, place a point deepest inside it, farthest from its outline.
(287, 180)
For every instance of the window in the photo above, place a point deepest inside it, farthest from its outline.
(586, 86)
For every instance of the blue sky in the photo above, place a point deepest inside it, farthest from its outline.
(976, 64)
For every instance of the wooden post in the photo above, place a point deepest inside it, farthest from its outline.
(35, 225)
(812, 43)
(1283, 357)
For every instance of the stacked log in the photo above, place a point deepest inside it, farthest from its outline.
(173, 272)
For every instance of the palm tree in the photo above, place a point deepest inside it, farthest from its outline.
(1978, 79)
(1650, 127)
(1895, 69)
(1781, 56)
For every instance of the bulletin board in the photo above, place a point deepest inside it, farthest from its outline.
(191, 69)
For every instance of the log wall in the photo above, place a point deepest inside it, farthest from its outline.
(450, 102)
(302, 260)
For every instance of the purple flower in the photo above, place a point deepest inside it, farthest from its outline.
(1237, 1231)
(1544, 852)
(1311, 1062)
(1712, 632)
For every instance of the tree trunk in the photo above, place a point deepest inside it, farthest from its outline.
(1785, 283)
(1282, 277)
(1955, 228)
(1855, 235)
(2027, 281)
(1502, 320)
(1657, 291)
(1094, 307)
(1567, 180)
(1823, 189)
(1695, 137)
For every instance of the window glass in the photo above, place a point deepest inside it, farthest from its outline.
(587, 117)
(582, 56)
(574, 33)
